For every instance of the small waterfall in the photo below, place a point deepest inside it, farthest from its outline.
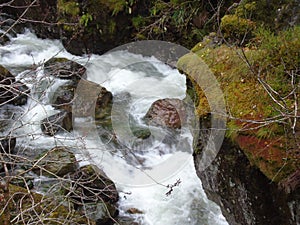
(144, 79)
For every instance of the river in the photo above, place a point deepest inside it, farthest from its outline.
(145, 79)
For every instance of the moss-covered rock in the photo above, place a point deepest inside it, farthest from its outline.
(94, 26)
(265, 144)
(235, 28)
(58, 161)
(25, 206)
(64, 69)
(97, 186)
(256, 135)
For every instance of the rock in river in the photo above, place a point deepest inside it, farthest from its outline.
(167, 112)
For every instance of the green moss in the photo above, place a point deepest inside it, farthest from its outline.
(138, 21)
(236, 28)
(267, 142)
(85, 19)
(36, 208)
(68, 7)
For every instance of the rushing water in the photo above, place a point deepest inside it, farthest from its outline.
(146, 80)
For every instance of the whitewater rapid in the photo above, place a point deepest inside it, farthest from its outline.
(146, 79)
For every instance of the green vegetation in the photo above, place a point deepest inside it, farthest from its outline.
(68, 7)
(260, 83)
(236, 28)
(85, 19)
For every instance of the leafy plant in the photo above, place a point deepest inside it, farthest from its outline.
(85, 19)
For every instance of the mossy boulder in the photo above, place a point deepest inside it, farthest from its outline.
(267, 147)
(58, 161)
(64, 68)
(97, 186)
(255, 136)
(95, 194)
(24, 206)
(235, 28)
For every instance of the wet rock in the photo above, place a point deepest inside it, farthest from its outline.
(141, 132)
(97, 186)
(6, 80)
(57, 122)
(92, 100)
(126, 221)
(134, 211)
(21, 178)
(95, 194)
(11, 91)
(9, 28)
(30, 203)
(63, 96)
(244, 194)
(57, 161)
(19, 93)
(64, 68)
(3, 39)
(7, 144)
(101, 212)
(169, 113)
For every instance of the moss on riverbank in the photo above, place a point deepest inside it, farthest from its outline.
(257, 84)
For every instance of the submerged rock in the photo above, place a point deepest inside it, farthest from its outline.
(134, 211)
(169, 113)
